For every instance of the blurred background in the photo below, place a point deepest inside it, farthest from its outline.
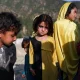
(27, 10)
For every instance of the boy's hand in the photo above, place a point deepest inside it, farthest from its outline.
(32, 71)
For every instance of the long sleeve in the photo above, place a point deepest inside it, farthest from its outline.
(31, 53)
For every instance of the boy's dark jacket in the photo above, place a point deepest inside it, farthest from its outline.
(10, 55)
(10, 58)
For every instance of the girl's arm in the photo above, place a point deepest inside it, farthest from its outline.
(31, 61)
(32, 71)
(23, 74)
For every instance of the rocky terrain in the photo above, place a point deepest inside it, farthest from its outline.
(27, 10)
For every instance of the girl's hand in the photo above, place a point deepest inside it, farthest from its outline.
(32, 71)
(23, 75)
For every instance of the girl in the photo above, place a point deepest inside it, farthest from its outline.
(42, 50)
(26, 73)
(66, 35)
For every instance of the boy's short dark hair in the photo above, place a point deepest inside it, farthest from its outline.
(9, 22)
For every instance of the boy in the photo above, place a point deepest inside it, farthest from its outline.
(9, 28)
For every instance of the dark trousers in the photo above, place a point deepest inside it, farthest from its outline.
(11, 71)
(38, 74)
(4, 74)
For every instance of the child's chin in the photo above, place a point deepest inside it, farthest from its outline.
(8, 44)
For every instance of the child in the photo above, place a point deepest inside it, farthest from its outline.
(42, 55)
(25, 45)
(67, 35)
(9, 28)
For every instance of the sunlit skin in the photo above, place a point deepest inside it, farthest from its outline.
(72, 16)
(7, 38)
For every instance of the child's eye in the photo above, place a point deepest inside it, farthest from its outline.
(27, 46)
(46, 27)
(12, 35)
(43, 27)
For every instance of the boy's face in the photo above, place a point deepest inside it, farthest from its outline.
(7, 38)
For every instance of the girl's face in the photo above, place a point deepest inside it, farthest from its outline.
(73, 14)
(42, 29)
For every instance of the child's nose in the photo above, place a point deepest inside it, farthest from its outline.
(14, 38)
(43, 28)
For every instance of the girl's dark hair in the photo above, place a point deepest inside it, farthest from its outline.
(43, 18)
(71, 6)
